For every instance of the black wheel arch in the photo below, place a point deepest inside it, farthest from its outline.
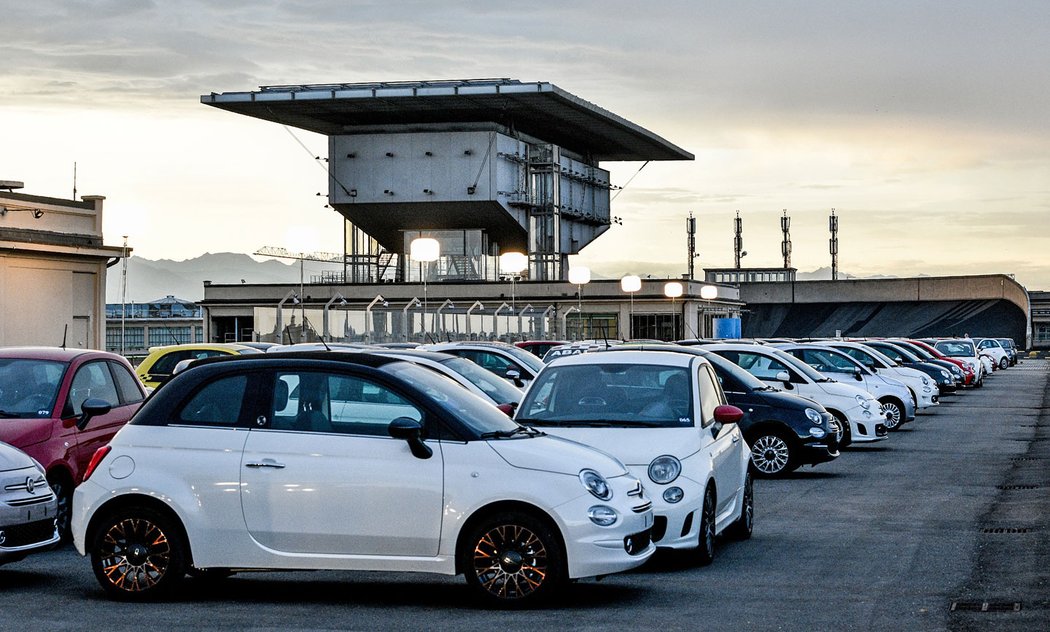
(772, 427)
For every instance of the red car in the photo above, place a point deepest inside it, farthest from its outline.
(60, 405)
(968, 374)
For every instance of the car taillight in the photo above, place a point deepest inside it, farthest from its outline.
(95, 460)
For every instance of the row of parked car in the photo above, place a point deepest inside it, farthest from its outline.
(460, 458)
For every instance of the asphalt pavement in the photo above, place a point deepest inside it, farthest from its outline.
(941, 527)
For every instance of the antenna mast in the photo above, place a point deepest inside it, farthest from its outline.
(738, 239)
(833, 226)
(785, 246)
(690, 229)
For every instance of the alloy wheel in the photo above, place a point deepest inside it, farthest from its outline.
(770, 454)
(134, 557)
(894, 414)
(510, 561)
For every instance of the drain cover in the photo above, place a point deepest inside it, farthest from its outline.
(1005, 530)
(1015, 487)
(985, 606)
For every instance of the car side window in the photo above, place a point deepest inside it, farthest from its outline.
(492, 362)
(336, 403)
(166, 363)
(218, 403)
(92, 381)
(127, 385)
(710, 396)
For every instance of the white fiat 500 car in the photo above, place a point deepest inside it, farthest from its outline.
(665, 416)
(859, 414)
(381, 465)
(28, 507)
(924, 392)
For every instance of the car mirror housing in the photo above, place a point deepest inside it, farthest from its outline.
(411, 431)
(92, 407)
(727, 414)
(783, 376)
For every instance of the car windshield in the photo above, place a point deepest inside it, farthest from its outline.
(915, 350)
(903, 352)
(956, 348)
(799, 366)
(28, 387)
(727, 370)
(501, 391)
(524, 357)
(470, 409)
(867, 355)
(827, 360)
(615, 394)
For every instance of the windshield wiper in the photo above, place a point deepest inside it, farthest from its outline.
(505, 434)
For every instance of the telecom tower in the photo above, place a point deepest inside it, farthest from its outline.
(690, 229)
(785, 246)
(833, 226)
(738, 239)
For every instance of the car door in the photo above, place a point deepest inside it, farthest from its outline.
(323, 476)
(94, 380)
(725, 440)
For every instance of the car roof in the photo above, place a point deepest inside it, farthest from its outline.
(629, 356)
(204, 346)
(57, 354)
(436, 356)
(359, 358)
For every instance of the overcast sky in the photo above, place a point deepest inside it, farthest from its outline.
(925, 124)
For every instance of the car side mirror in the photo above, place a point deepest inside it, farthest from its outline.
(726, 414)
(783, 376)
(857, 373)
(508, 408)
(92, 407)
(410, 431)
(514, 375)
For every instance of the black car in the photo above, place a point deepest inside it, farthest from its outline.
(910, 356)
(784, 431)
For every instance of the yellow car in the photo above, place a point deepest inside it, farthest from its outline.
(159, 364)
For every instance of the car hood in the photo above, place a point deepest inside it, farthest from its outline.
(556, 454)
(843, 390)
(635, 446)
(780, 399)
(11, 458)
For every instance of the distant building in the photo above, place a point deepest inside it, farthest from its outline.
(52, 269)
(132, 328)
(1040, 319)
(749, 275)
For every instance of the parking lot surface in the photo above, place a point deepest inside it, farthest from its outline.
(941, 527)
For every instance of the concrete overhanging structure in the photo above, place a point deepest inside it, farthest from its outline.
(514, 164)
(982, 305)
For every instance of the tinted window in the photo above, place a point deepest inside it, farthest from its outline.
(93, 380)
(498, 389)
(629, 394)
(331, 402)
(167, 362)
(127, 385)
(710, 396)
(469, 409)
(218, 403)
(28, 388)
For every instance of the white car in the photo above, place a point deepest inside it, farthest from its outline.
(28, 507)
(992, 348)
(859, 414)
(382, 465)
(964, 350)
(514, 364)
(665, 416)
(923, 391)
(893, 395)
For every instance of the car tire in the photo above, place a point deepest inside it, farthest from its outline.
(896, 413)
(846, 436)
(138, 554)
(514, 560)
(63, 490)
(1004, 363)
(772, 454)
(743, 526)
(704, 553)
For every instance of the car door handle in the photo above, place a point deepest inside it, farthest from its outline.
(266, 463)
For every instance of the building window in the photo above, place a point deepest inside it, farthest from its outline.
(1042, 334)
(659, 327)
(159, 336)
(592, 327)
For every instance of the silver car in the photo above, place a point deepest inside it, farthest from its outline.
(27, 506)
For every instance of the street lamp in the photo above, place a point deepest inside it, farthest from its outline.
(368, 315)
(441, 317)
(404, 318)
(708, 293)
(631, 284)
(326, 333)
(513, 263)
(425, 250)
(280, 314)
(579, 276)
(673, 290)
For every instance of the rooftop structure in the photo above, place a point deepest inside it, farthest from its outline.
(484, 166)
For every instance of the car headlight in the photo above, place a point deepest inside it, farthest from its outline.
(664, 469)
(925, 380)
(673, 495)
(814, 416)
(602, 516)
(596, 484)
(864, 402)
(946, 375)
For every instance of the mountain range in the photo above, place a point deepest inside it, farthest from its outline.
(149, 280)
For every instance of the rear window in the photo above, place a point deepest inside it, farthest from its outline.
(218, 403)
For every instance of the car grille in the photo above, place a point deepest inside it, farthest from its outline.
(20, 535)
(31, 500)
(637, 542)
(642, 508)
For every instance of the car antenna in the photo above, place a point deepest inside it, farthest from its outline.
(65, 330)
(605, 336)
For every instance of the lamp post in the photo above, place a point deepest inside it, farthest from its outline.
(368, 315)
(631, 284)
(476, 305)
(673, 290)
(404, 319)
(544, 316)
(441, 318)
(513, 263)
(425, 250)
(495, 319)
(527, 308)
(565, 319)
(326, 333)
(280, 313)
(708, 293)
(579, 276)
